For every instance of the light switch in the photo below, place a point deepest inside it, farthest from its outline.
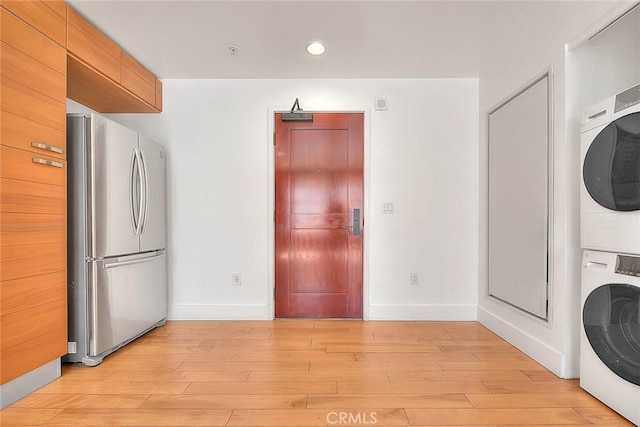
(387, 208)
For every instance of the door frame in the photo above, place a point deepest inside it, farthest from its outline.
(271, 229)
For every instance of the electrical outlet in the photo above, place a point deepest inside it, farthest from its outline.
(236, 279)
(414, 278)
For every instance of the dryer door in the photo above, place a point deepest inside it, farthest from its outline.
(611, 169)
(611, 322)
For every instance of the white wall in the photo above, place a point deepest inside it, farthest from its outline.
(421, 154)
(555, 344)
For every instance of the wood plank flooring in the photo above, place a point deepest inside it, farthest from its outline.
(312, 373)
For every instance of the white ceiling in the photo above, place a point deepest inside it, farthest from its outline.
(364, 39)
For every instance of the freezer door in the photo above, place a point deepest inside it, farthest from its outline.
(114, 183)
(153, 233)
(127, 295)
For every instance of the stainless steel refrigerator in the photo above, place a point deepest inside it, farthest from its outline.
(117, 237)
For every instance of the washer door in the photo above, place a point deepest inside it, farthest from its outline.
(611, 322)
(611, 169)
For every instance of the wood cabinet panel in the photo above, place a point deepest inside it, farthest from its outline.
(26, 166)
(22, 294)
(29, 339)
(32, 197)
(21, 132)
(26, 102)
(22, 325)
(59, 7)
(138, 80)
(45, 18)
(32, 337)
(32, 229)
(21, 36)
(25, 261)
(25, 70)
(89, 44)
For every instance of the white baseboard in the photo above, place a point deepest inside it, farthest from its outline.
(218, 312)
(447, 312)
(548, 357)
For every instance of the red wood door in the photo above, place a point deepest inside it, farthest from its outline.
(318, 185)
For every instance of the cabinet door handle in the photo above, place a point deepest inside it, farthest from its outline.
(47, 162)
(46, 147)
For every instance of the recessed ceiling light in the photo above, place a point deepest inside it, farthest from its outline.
(315, 48)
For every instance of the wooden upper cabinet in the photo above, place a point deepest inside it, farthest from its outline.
(89, 44)
(102, 76)
(137, 79)
(48, 17)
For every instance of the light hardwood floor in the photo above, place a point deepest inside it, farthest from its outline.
(312, 373)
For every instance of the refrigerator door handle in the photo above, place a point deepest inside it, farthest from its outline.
(144, 196)
(117, 263)
(136, 172)
(142, 190)
(132, 192)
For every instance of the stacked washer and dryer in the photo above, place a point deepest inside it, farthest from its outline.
(610, 235)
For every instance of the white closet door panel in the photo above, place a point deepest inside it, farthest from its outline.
(519, 200)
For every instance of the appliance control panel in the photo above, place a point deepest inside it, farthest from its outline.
(628, 265)
(627, 99)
